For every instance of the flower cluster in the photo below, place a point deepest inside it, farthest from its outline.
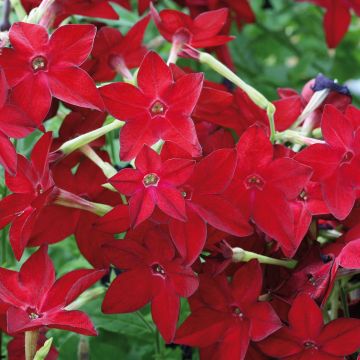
(246, 208)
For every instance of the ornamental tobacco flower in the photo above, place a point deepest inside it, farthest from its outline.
(205, 203)
(33, 188)
(49, 67)
(336, 163)
(159, 108)
(154, 183)
(308, 338)
(229, 314)
(179, 28)
(153, 273)
(260, 188)
(35, 299)
(116, 53)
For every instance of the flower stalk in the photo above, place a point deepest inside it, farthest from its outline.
(31, 339)
(70, 146)
(296, 138)
(68, 199)
(259, 99)
(241, 255)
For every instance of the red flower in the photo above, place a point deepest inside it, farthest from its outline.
(46, 67)
(56, 222)
(177, 27)
(263, 187)
(159, 108)
(308, 338)
(336, 164)
(61, 9)
(32, 188)
(153, 274)
(35, 299)
(116, 53)
(14, 123)
(154, 183)
(337, 18)
(205, 203)
(229, 314)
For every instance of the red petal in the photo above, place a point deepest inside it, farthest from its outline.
(339, 196)
(127, 181)
(336, 22)
(75, 321)
(323, 159)
(349, 256)
(8, 156)
(134, 135)
(341, 337)
(264, 320)
(154, 77)
(62, 80)
(171, 202)
(37, 275)
(337, 129)
(177, 171)
(114, 222)
(202, 328)
(129, 292)
(188, 237)
(66, 289)
(305, 318)
(221, 214)
(28, 38)
(165, 309)
(71, 44)
(148, 160)
(291, 179)
(124, 101)
(282, 344)
(141, 207)
(214, 172)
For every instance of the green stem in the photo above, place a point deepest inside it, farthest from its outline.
(19, 10)
(85, 297)
(108, 170)
(241, 255)
(334, 301)
(69, 146)
(296, 138)
(345, 305)
(256, 97)
(31, 339)
(140, 316)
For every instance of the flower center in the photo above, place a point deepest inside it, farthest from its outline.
(254, 181)
(310, 345)
(33, 316)
(158, 269)
(158, 108)
(347, 157)
(151, 180)
(39, 63)
(237, 312)
(303, 195)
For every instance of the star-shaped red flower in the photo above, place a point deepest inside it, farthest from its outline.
(35, 299)
(154, 183)
(308, 338)
(159, 108)
(153, 273)
(49, 67)
(229, 314)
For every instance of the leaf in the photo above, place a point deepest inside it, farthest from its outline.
(44, 350)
